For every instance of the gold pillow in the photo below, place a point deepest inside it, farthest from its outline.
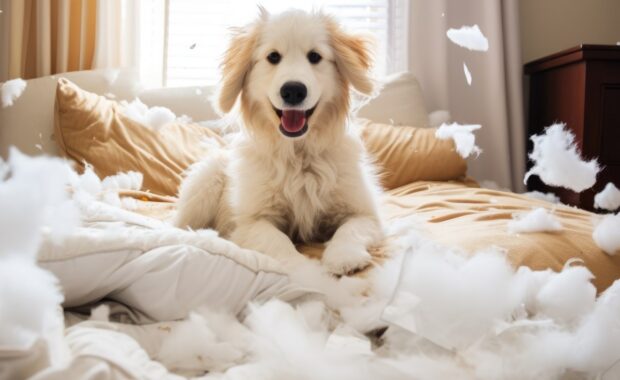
(90, 128)
(408, 154)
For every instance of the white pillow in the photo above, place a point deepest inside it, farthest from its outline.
(400, 102)
(160, 272)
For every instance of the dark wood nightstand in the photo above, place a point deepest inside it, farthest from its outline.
(581, 87)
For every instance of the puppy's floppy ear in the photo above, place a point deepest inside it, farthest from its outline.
(235, 65)
(353, 56)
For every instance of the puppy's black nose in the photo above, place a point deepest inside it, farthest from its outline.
(293, 93)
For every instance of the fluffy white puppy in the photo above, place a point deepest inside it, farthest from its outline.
(296, 173)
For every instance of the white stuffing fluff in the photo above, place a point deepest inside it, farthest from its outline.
(607, 234)
(89, 187)
(537, 220)
(462, 135)
(549, 197)
(29, 300)
(529, 331)
(130, 180)
(153, 117)
(11, 90)
(568, 295)
(557, 161)
(191, 346)
(467, 73)
(447, 313)
(608, 198)
(469, 37)
(26, 208)
(29, 296)
(597, 340)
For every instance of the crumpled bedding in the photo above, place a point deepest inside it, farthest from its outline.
(145, 272)
(161, 272)
(149, 276)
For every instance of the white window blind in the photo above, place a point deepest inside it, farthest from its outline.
(196, 33)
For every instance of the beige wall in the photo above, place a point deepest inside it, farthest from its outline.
(548, 26)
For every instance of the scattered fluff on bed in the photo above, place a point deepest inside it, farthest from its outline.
(452, 316)
(607, 234)
(537, 220)
(448, 314)
(445, 321)
(153, 117)
(557, 161)
(33, 202)
(469, 37)
(463, 137)
(608, 198)
(11, 90)
(90, 187)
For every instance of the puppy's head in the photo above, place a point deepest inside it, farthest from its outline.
(292, 72)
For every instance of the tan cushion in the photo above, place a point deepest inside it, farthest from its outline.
(466, 216)
(407, 154)
(90, 128)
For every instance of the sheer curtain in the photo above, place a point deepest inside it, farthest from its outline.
(44, 37)
(494, 98)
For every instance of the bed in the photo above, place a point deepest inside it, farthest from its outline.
(149, 277)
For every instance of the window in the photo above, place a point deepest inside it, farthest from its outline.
(192, 35)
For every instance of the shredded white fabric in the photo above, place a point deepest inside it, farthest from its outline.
(549, 197)
(153, 117)
(608, 198)
(537, 220)
(469, 37)
(607, 234)
(467, 73)
(463, 137)
(557, 161)
(11, 90)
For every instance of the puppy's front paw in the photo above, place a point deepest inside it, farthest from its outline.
(341, 258)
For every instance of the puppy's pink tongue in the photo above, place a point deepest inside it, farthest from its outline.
(293, 120)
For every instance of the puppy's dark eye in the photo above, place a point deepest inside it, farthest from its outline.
(314, 57)
(274, 57)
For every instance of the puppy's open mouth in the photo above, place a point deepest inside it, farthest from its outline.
(294, 123)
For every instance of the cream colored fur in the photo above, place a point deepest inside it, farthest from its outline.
(268, 191)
